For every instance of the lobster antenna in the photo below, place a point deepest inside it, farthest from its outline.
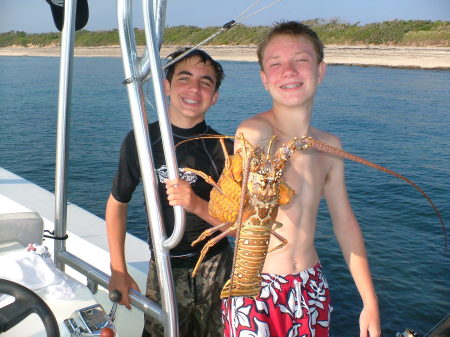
(205, 136)
(323, 147)
(270, 145)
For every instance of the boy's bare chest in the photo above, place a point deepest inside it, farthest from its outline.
(306, 172)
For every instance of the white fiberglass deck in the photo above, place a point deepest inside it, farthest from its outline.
(87, 240)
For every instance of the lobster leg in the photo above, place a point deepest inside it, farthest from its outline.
(206, 177)
(225, 153)
(208, 245)
(283, 243)
(210, 231)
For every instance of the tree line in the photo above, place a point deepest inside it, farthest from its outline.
(332, 32)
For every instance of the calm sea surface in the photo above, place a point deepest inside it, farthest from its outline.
(397, 118)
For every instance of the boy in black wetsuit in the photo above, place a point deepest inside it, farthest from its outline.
(192, 84)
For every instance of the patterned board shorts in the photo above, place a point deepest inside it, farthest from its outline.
(287, 305)
(198, 299)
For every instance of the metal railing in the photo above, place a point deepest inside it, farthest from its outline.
(134, 68)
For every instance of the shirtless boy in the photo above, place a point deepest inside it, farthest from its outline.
(292, 67)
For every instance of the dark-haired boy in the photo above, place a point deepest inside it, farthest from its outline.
(192, 84)
(295, 299)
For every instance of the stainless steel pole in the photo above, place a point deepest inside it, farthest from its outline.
(63, 126)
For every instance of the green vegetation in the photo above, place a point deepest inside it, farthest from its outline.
(395, 33)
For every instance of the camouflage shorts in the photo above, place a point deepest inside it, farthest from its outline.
(199, 304)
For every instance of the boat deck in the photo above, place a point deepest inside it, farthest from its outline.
(87, 240)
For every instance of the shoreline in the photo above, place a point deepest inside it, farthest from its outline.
(427, 58)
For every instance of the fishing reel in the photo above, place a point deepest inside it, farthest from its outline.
(407, 333)
(93, 320)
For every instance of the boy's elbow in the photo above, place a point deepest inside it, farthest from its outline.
(346, 228)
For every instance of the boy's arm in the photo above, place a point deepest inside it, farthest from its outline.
(116, 217)
(349, 236)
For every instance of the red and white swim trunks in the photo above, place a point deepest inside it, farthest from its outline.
(287, 306)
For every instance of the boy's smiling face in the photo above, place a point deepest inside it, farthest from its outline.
(192, 91)
(291, 72)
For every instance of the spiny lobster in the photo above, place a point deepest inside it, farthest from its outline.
(246, 199)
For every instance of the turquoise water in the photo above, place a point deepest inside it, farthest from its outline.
(397, 118)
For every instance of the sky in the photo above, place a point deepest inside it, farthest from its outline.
(34, 16)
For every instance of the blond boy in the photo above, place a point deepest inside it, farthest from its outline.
(298, 303)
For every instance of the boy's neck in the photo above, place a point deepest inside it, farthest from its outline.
(184, 122)
(293, 122)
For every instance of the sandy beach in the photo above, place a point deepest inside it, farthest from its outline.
(366, 56)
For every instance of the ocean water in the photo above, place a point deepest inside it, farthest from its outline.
(396, 118)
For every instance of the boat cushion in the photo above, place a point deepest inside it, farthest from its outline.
(23, 227)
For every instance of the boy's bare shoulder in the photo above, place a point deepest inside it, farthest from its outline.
(256, 121)
(256, 129)
(326, 137)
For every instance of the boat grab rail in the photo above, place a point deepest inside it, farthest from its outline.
(161, 245)
(98, 277)
(138, 110)
(167, 314)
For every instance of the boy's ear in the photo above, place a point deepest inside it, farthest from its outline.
(215, 98)
(263, 79)
(322, 71)
(166, 87)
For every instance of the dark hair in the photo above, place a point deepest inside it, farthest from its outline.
(204, 57)
(295, 29)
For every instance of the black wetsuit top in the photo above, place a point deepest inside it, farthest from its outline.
(205, 155)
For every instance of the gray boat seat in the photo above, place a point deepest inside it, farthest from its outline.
(22, 227)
